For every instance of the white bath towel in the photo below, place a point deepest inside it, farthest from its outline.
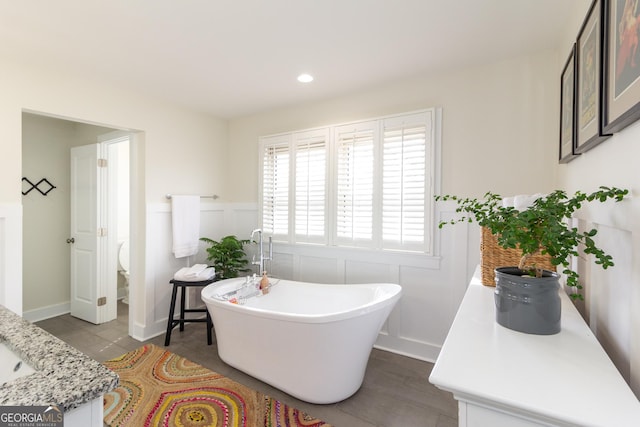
(521, 201)
(186, 274)
(185, 216)
(195, 270)
(507, 202)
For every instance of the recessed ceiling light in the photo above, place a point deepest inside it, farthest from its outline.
(305, 78)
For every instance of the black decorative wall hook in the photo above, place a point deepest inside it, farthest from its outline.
(37, 186)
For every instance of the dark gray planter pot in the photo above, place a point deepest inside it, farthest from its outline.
(527, 304)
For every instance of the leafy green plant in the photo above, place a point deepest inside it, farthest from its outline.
(540, 228)
(228, 256)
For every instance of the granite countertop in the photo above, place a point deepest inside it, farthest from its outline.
(64, 376)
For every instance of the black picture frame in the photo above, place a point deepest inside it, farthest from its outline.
(588, 90)
(567, 109)
(621, 71)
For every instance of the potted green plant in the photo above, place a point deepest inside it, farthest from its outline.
(227, 256)
(542, 227)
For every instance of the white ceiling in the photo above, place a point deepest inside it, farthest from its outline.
(237, 57)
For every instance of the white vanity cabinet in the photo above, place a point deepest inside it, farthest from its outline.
(505, 378)
(89, 414)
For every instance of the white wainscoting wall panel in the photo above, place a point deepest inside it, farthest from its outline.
(608, 292)
(216, 220)
(11, 257)
(433, 286)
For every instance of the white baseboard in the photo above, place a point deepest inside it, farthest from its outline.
(144, 333)
(47, 312)
(407, 347)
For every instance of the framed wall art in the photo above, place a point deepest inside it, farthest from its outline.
(567, 109)
(621, 44)
(588, 90)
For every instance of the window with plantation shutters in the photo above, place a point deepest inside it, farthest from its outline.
(405, 181)
(275, 186)
(354, 202)
(310, 186)
(366, 184)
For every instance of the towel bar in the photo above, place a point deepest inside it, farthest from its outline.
(215, 196)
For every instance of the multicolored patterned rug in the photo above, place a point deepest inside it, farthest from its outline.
(159, 388)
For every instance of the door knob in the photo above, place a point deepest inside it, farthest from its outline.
(71, 240)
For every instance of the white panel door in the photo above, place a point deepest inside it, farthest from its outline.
(85, 242)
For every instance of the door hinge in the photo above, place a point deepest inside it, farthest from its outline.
(102, 163)
(102, 232)
(102, 301)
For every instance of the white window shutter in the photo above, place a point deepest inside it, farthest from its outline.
(354, 192)
(405, 182)
(276, 158)
(310, 186)
(375, 190)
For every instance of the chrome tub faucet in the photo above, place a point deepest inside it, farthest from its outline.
(263, 258)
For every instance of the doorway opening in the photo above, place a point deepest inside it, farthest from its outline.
(46, 144)
(115, 149)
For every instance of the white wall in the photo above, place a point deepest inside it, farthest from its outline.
(174, 137)
(216, 220)
(45, 274)
(175, 151)
(612, 306)
(499, 126)
(501, 113)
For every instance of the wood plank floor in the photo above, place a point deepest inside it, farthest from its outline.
(395, 393)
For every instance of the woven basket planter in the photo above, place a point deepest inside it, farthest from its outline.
(492, 256)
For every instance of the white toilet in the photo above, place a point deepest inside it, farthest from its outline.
(123, 267)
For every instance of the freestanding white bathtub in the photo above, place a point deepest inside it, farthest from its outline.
(309, 340)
